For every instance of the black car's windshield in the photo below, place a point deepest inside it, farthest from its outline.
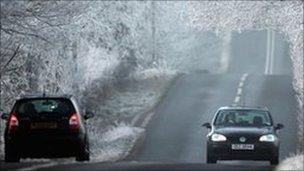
(247, 118)
(42, 106)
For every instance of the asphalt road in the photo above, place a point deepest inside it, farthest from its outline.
(174, 135)
(175, 139)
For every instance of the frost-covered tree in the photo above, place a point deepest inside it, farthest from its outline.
(32, 32)
(180, 47)
(68, 46)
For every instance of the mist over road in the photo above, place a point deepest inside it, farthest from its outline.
(174, 134)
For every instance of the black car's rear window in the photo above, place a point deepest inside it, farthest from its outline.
(59, 106)
(255, 118)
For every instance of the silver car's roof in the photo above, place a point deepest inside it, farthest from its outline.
(243, 108)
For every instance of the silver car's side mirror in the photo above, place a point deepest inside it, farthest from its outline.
(207, 125)
(279, 126)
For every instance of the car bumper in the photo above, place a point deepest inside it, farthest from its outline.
(261, 151)
(46, 145)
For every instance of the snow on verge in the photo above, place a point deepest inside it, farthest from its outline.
(115, 141)
(141, 95)
(115, 144)
(293, 163)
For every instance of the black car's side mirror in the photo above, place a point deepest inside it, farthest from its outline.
(4, 116)
(279, 126)
(207, 125)
(88, 115)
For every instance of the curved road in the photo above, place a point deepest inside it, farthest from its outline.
(174, 134)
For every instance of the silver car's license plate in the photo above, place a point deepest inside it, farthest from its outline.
(242, 147)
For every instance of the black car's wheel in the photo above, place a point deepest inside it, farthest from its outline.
(11, 154)
(210, 158)
(274, 160)
(84, 154)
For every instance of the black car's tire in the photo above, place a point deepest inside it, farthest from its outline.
(84, 154)
(11, 154)
(274, 160)
(210, 159)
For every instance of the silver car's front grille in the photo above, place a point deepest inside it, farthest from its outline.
(243, 139)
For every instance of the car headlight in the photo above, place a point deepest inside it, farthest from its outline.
(268, 138)
(218, 137)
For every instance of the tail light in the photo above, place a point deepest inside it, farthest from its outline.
(13, 122)
(74, 121)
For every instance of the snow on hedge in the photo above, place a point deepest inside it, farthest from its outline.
(285, 17)
(115, 144)
(112, 131)
(64, 46)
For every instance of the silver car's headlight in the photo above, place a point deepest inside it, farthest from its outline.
(218, 137)
(268, 138)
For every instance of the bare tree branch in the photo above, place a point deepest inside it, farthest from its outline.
(10, 59)
(26, 34)
(11, 69)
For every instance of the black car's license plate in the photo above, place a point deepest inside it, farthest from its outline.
(43, 125)
(242, 147)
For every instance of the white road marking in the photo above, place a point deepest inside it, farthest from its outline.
(237, 99)
(46, 165)
(36, 167)
(267, 53)
(244, 77)
(225, 56)
(239, 93)
(241, 84)
(147, 119)
(270, 52)
(134, 120)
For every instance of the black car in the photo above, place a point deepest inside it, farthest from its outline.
(46, 127)
(243, 133)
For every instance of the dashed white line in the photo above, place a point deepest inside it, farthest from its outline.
(267, 53)
(241, 84)
(244, 77)
(239, 91)
(237, 99)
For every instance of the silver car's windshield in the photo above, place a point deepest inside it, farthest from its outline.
(248, 118)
